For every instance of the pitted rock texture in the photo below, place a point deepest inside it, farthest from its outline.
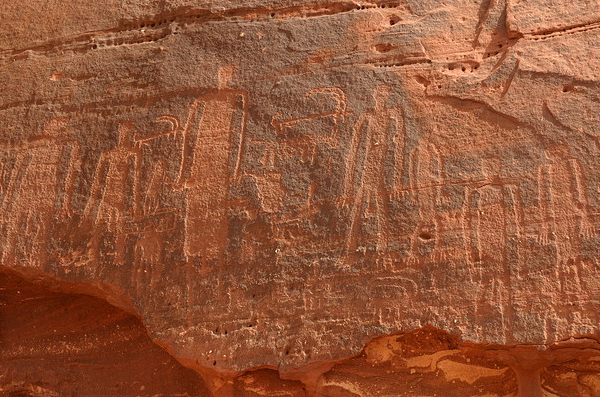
(272, 184)
(59, 342)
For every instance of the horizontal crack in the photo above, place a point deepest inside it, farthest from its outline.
(572, 29)
(402, 63)
(160, 26)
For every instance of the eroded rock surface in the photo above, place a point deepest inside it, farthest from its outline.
(272, 184)
(59, 342)
(67, 344)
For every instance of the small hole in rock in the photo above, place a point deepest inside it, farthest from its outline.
(386, 47)
(425, 236)
(214, 363)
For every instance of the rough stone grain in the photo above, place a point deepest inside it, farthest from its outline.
(270, 185)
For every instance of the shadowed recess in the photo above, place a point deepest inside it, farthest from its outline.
(61, 344)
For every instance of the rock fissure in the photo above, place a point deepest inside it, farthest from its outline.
(162, 26)
(568, 30)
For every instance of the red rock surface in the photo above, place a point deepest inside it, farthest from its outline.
(58, 342)
(69, 344)
(268, 185)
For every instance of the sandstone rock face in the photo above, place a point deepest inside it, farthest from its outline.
(69, 344)
(272, 184)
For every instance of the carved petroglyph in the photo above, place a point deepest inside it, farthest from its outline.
(394, 291)
(426, 180)
(38, 192)
(338, 117)
(213, 139)
(393, 287)
(494, 222)
(115, 193)
(271, 190)
(148, 266)
(302, 140)
(365, 190)
(7, 159)
(214, 121)
(155, 219)
(564, 211)
(171, 132)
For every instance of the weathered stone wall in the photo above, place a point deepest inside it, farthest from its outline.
(273, 184)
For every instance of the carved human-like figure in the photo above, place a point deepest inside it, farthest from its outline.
(426, 181)
(114, 196)
(378, 130)
(149, 249)
(213, 138)
(39, 190)
(564, 211)
(494, 224)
